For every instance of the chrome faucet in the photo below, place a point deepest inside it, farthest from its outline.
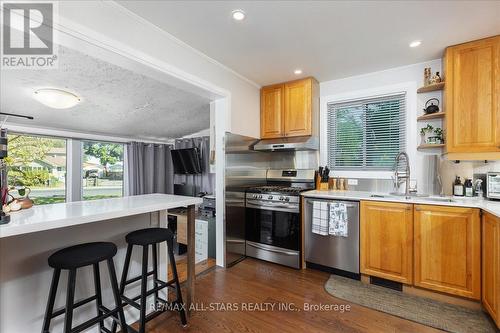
(402, 172)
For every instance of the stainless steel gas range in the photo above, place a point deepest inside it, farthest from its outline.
(273, 216)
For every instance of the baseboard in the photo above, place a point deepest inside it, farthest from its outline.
(435, 295)
(456, 300)
(332, 270)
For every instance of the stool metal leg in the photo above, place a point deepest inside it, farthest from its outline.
(123, 278)
(155, 272)
(182, 312)
(97, 286)
(144, 281)
(116, 295)
(50, 302)
(125, 269)
(70, 299)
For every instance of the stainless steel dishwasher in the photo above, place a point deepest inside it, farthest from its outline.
(334, 252)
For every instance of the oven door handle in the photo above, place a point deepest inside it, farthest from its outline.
(265, 248)
(281, 205)
(284, 208)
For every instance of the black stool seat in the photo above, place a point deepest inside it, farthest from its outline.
(149, 236)
(82, 255)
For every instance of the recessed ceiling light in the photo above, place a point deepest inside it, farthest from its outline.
(238, 14)
(297, 71)
(56, 98)
(415, 43)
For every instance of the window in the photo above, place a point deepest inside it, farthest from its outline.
(37, 166)
(366, 134)
(102, 170)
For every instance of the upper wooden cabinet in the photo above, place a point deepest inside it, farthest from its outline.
(491, 266)
(472, 104)
(271, 111)
(448, 250)
(289, 109)
(386, 233)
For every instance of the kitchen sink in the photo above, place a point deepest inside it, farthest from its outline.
(441, 199)
(413, 195)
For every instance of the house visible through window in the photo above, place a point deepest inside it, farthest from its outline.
(37, 167)
(102, 170)
(366, 134)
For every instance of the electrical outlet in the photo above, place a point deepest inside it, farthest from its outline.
(352, 182)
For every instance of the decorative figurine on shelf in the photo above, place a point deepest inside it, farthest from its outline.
(427, 76)
(436, 78)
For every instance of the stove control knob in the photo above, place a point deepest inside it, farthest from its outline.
(254, 196)
(287, 199)
(260, 196)
(281, 198)
(270, 197)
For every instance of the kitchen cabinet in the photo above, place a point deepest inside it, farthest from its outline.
(491, 266)
(271, 111)
(447, 247)
(290, 109)
(471, 101)
(386, 232)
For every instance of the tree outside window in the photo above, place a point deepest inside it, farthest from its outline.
(102, 170)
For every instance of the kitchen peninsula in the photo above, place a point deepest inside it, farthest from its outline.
(33, 234)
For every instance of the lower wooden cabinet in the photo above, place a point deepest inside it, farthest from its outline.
(387, 240)
(491, 266)
(448, 250)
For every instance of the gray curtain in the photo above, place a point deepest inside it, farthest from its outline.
(150, 168)
(204, 182)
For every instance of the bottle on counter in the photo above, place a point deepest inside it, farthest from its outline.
(458, 187)
(468, 188)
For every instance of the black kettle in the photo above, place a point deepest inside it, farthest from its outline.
(432, 108)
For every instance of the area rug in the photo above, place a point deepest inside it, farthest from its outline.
(444, 316)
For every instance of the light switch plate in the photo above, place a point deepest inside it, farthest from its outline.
(352, 182)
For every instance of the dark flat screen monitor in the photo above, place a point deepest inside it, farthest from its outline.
(186, 161)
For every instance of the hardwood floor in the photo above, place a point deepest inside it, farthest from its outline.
(181, 265)
(254, 281)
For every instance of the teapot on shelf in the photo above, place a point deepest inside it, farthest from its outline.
(432, 108)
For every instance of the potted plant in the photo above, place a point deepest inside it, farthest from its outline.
(425, 133)
(438, 132)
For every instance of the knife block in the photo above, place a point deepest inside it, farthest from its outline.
(323, 187)
(319, 185)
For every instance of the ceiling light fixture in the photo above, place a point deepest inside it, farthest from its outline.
(415, 43)
(297, 71)
(238, 15)
(56, 98)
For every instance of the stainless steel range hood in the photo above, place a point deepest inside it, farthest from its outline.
(294, 143)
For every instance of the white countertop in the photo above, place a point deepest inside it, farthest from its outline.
(492, 207)
(46, 217)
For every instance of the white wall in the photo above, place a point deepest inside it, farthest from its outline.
(384, 80)
(91, 20)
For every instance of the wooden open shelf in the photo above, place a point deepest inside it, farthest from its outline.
(429, 146)
(431, 116)
(431, 87)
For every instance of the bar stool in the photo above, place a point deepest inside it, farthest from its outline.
(145, 238)
(72, 258)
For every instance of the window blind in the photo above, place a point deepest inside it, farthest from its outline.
(366, 134)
